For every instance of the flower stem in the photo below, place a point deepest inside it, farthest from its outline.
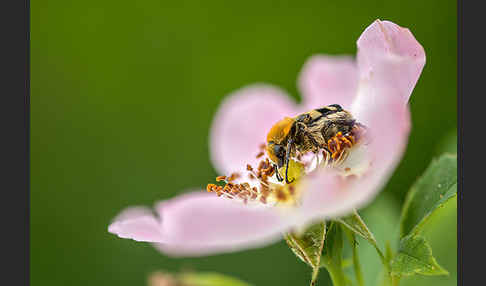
(315, 273)
(337, 275)
(382, 257)
(395, 281)
(372, 240)
(391, 280)
(357, 265)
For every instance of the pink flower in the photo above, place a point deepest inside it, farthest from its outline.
(375, 89)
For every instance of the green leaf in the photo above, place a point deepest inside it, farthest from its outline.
(436, 187)
(441, 234)
(415, 257)
(309, 244)
(210, 279)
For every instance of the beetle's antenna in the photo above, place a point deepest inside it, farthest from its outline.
(287, 158)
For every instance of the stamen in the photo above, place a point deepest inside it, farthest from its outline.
(245, 192)
(220, 178)
(211, 188)
(264, 171)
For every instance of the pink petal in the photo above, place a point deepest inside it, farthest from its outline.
(241, 124)
(389, 127)
(390, 61)
(327, 80)
(137, 223)
(323, 196)
(200, 223)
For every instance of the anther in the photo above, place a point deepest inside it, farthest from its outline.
(209, 187)
(220, 178)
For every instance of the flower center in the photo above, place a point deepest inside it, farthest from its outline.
(345, 153)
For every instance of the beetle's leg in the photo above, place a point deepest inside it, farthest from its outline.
(287, 159)
(326, 149)
(277, 174)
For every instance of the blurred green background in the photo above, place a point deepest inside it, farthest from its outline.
(122, 97)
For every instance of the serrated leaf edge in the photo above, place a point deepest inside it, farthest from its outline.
(440, 269)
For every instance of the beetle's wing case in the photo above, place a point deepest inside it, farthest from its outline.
(331, 124)
(308, 117)
(322, 124)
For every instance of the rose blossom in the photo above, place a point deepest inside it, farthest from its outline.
(375, 89)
